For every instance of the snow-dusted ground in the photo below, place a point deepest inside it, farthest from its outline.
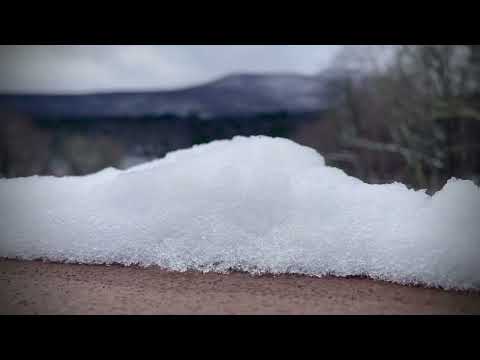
(256, 204)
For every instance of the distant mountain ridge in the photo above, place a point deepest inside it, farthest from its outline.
(238, 94)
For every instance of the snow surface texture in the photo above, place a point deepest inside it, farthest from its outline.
(255, 204)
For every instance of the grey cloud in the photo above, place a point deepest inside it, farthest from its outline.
(84, 68)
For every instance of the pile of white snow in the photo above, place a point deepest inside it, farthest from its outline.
(255, 204)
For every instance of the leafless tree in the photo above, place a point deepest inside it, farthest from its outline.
(416, 103)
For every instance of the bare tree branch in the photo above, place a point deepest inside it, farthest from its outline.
(407, 153)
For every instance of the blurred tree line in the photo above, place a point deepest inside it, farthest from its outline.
(28, 149)
(407, 113)
(60, 147)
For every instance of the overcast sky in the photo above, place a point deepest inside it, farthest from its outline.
(87, 68)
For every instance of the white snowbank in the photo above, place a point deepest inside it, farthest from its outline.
(256, 204)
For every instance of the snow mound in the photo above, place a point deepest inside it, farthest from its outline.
(254, 204)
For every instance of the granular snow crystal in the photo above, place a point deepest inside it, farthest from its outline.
(254, 204)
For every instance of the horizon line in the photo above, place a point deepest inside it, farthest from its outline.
(152, 89)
